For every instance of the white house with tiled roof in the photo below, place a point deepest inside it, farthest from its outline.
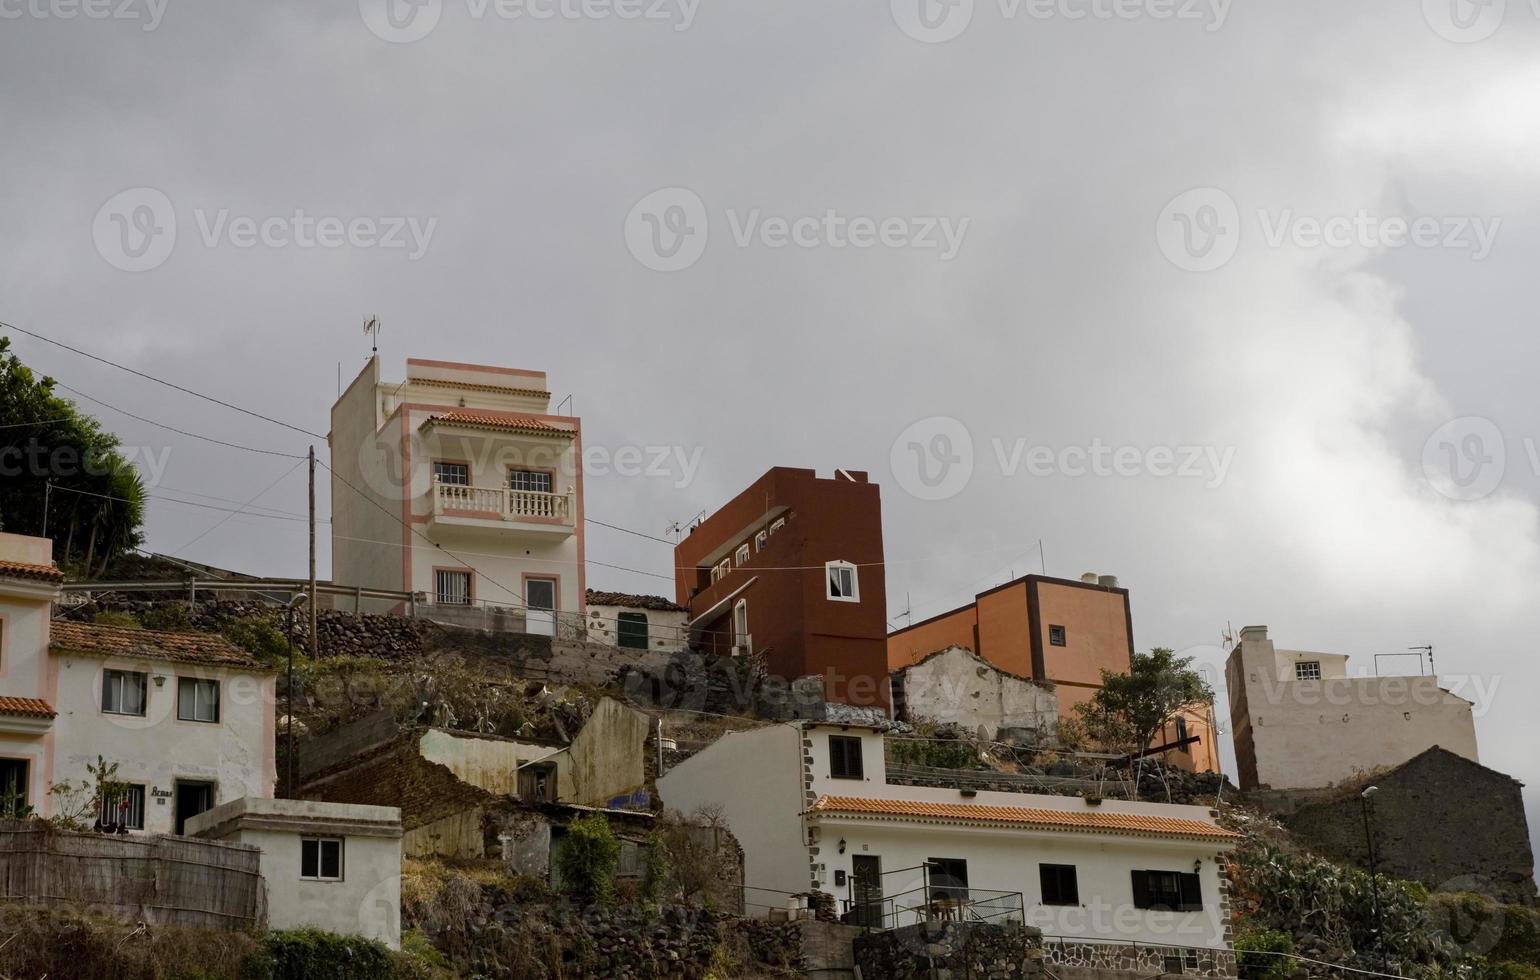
(460, 485)
(813, 808)
(637, 622)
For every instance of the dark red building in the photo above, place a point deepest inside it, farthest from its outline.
(792, 569)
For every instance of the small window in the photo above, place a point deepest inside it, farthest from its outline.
(1307, 670)
(1181, 734)
(197, 699)
(1167, 891)
(760, 540)
(537, 782)
(13, 787)
(455, 474)
(533, 481)
(452, 588)
(320, 858)
(1060, 884)
(948, 878)
(844, 757)
(843, 586)
(123, 692)
(741, 556)
(1182, 961)
(1058, 636)
(777, 524)
(720, 570)
(741, 639)
(123, 808)
(631, 630)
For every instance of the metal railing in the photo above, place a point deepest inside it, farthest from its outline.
(936, 903)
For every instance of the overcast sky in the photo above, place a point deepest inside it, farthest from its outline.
(1230, 301)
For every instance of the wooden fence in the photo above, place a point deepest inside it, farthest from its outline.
(157, 879)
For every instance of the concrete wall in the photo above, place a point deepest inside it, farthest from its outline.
(366, 902)
(490, 763)
(237, 754)
(1293, 734)
(458, 835)
(367, 537)
(25, 667)
(755, 777)
(1439, 819)
(953, 629)
(607, 759)
(958, 687)
(665, 627)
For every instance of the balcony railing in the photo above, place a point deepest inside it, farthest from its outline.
(501, 503)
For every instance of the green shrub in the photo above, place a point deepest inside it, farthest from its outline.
(590, 855)
(257, 637)
(307, 954)
(939, 754)
(1252, 959)
(109, 618)
(173, 617)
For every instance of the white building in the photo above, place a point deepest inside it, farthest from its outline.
(813, 809)
(637, 622)
(186, 717)
(331, 866)
(1301, 722)
(458, 484)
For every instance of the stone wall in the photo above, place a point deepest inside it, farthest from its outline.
(956, 687)
(1439, 819)
(946, 950)
(1131, 960)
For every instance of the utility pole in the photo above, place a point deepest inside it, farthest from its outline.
(315, 643)
(47, 492)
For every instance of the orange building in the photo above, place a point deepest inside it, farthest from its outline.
(1060, 631)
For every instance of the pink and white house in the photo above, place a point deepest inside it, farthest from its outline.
(460, 485)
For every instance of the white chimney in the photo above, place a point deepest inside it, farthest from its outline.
(1256, 633)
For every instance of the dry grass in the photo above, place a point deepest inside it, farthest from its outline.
(41, 942)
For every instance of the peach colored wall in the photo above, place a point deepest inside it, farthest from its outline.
(1096, 633)
(953, 629)
(1003, 629)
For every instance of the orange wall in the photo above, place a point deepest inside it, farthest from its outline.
(1005, 629)
(910, 646)
(1096, 633)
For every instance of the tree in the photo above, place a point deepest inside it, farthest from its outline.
(1132, 709)
(95, 507)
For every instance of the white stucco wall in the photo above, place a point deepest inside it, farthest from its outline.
(366, 902)
(606, 758)
(490, 763)
(236, 754)
(1313, 734)
(24, 611)
(665, 628)
(958, 687)
(755, 777)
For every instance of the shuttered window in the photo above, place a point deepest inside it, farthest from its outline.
(1060, 884)
(844, 757)
(631, 631)
(1167, 891)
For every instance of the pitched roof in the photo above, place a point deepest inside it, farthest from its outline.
(656, 602)
(506, 421)
(26, 707)
(21, 569)
(91, 640)
(1032, 818)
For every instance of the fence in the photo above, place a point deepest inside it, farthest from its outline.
(937, 903)
(157, 879)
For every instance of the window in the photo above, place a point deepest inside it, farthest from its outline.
(1182, 961)
(537, 782)
(1167, 891)
(720, 570)
(1058, 636)
(458, 474)
(1181, 734)
(1307, 670)
(948, 878)
(197, 699)
(760, 540)
(536, 481)
(123, 808)
(631, 631)
(1060, 884)
(452, 588)
(123, 692)
(13, 787)
(320, 858)
(741, 556)
(741, 638)
(777, 524)
(842, 583)
(844, 757)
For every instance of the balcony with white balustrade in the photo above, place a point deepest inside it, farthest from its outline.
(503, 509)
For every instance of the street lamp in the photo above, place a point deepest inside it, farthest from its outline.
(1374, 883)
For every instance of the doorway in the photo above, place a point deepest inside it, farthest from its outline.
(191, 799)
(540, 606)
(866, 890)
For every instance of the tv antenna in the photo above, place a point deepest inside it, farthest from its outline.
(372, 330)
(1428, 649)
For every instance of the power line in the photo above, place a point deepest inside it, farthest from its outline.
(160, 381)
(22, 425)
(640, 534)
(221, 522)
(171, 428)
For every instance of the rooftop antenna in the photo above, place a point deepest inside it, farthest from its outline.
(372, 329)
(1428, 649)
(675, 528)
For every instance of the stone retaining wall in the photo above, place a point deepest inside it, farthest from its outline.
(1143, 960)
(945, 950)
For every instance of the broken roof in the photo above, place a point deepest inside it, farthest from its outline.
(92, 640)
(655, 602)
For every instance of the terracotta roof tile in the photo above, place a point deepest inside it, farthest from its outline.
(655, 602)
(508, 421)
(21, 569)
(26, 707)
(1138, 824)
(92, 640)
(475, 386)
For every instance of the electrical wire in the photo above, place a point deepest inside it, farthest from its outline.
(171, 428)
